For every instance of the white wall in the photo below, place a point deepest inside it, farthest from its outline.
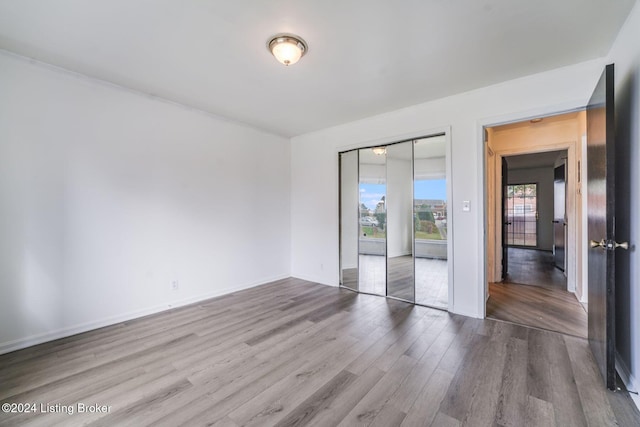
(314, 168)
(432, 168)
(625, 53)
(107, 195)
(544, 178)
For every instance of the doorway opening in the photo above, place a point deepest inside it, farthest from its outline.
(535, 223)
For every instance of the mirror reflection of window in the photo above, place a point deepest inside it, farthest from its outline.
(372, 244)
(400, 269)
(431, 222)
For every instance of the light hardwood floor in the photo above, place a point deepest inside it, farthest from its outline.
(297, 353)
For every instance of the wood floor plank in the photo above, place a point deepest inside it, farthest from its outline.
(539, 413)
(297, 353)
(389, 416)
(551, 377)
(264, 409)
(457, 401)
(212, 407)
(239, 390)
(427, 404)
(464, 330)
(127, 415)
(372, 404)
(314, 403)
(593, 395)
(334, 412)
(140, 358)
(443, 420)
(405, 396)
(512, 399)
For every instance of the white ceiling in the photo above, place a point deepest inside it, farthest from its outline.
(365, 56)
(368, 157)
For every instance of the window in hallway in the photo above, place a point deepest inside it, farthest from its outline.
(522, 215)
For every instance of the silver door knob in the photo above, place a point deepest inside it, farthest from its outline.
(623, 245)
(610, 245)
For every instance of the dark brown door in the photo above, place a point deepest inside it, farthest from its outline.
(505, 219)
(601, 221)
(559, 215)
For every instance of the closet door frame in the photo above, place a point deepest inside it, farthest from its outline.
(446, 132)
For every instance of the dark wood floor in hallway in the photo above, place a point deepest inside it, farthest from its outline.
(534, 267)
(296, 353)
(535, 294)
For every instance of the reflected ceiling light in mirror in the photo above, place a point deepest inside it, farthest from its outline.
(379, 151)
(287, 48)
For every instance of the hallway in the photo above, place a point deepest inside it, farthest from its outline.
(535, 294)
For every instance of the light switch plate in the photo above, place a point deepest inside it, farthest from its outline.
(466, 206)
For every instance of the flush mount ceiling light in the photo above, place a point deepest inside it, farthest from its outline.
(379, 151)
(287, 48)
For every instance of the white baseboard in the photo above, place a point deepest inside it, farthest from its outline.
(628, 379)
(313, 279)
(399, 254)
(18, 344)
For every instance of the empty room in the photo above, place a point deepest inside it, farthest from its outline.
(281, 213)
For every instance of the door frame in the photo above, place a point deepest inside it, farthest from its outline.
(484, 153)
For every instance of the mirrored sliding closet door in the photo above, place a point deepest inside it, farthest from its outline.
(400, 283)
(394, 221)
(431, 222)
(349, 213)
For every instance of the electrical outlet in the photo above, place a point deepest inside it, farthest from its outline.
(174, 285)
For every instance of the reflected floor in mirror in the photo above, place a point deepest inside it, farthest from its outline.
(400, 281)
(432, 282)
(350, 278)
(372, 274)
(431, 278)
